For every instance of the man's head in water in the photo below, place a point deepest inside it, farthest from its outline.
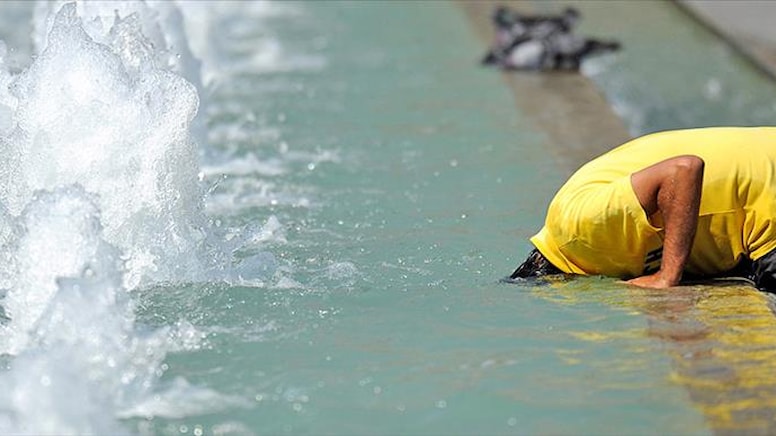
(536, 265)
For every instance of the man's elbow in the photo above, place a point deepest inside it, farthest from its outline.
(689, 164)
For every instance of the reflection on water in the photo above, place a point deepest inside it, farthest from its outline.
(727, 365)
(721, 340)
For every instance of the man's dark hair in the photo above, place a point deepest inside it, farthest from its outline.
(536, 265)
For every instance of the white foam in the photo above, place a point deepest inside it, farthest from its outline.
(7, 101)
(272, 231)
(285, 282)
(80, 362)
(341, 271)
(99, 195)
(60, 237)
(246, 166)
(117, 24)
(238, 188)
(180, 399)
(73, 366)
(267, 54)
(83, 117)
(238, 194)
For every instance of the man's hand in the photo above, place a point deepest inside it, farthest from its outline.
(673, 189)
(655, 281)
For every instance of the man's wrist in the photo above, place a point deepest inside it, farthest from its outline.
(670, 278)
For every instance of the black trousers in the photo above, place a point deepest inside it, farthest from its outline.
(763, 272)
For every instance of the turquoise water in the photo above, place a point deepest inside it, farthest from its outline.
(372, 185)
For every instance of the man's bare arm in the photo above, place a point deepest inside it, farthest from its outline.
(673, 188)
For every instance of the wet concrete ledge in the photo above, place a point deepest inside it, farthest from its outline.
(572, 111)
(747, 25)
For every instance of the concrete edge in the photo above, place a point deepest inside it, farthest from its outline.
(761, 55)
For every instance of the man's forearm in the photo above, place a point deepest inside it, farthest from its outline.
(678, 201)
(673, 189)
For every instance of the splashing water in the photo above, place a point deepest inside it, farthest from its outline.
(99, 195)
(84, 118)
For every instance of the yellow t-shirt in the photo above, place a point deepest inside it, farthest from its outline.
(595, 224)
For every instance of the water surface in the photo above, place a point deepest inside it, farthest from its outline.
(363, 186)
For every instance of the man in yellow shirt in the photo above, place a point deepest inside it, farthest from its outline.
(697, 201)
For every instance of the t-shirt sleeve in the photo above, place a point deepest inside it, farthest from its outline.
(602, 229)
